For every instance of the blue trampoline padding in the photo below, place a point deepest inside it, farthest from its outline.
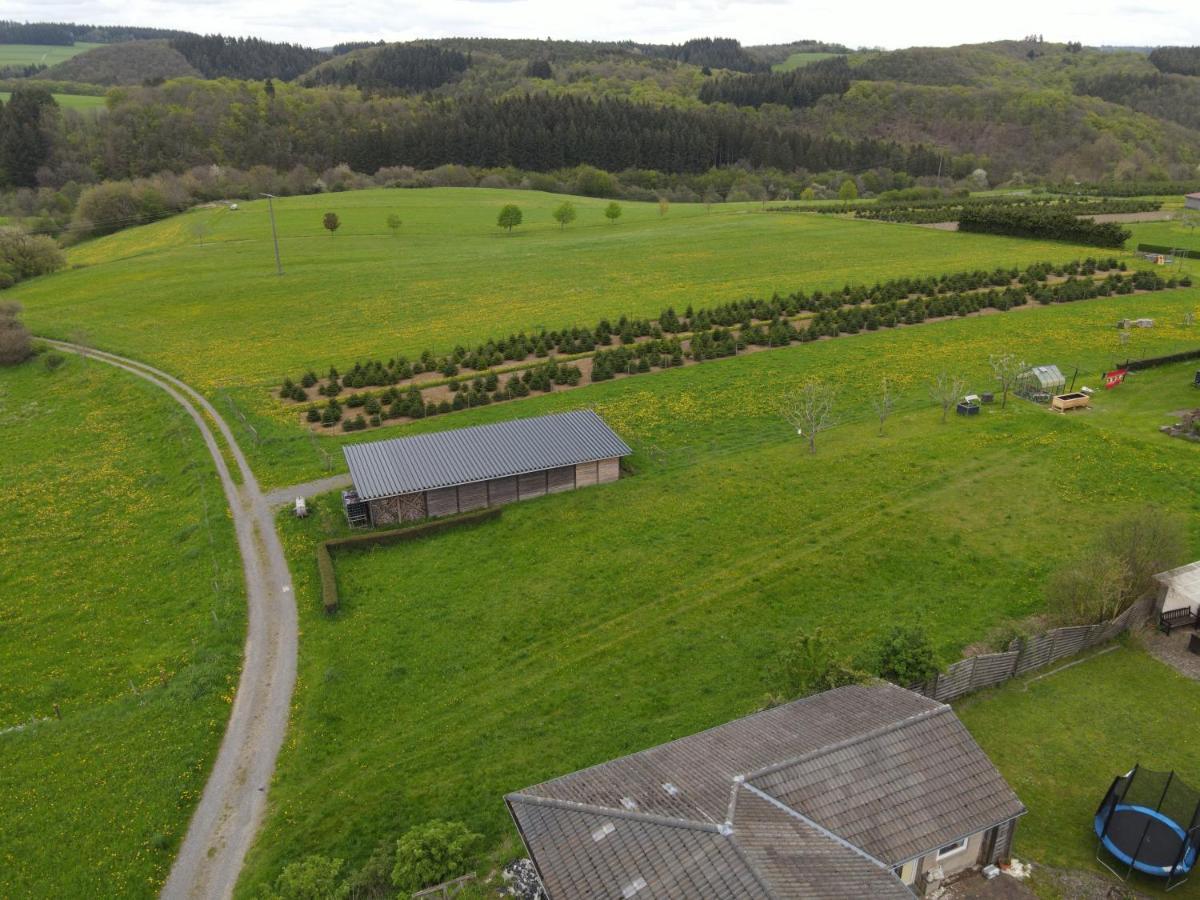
(1135, 822)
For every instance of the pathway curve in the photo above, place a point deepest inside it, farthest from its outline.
(234, 801)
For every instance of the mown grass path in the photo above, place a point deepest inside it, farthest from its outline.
(234, 800)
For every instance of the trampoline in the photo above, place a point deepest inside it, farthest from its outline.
(1150, 822)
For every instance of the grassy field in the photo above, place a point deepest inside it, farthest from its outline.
(121, 603)
(39, 54)
(1061, 740)
(796, 60)
(1175, 233)
(69, 101)
(162, 292)
(649, 609)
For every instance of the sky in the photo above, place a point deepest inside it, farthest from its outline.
(870, 23)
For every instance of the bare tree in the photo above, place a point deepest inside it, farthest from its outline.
(946, 390)
(810, 411)
(883, 403)
(1007, 370)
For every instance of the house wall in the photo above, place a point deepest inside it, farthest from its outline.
(951, 865)
(496, 492)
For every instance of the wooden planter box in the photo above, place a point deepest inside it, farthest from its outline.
(1064, 402)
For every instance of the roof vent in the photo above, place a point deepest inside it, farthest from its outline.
(629, 803)
(670, 789)
(603, 831)
(633, 887)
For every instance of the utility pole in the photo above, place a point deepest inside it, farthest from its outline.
(274, 233)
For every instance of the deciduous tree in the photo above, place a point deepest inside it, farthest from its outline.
(810, 411)
(883, 402)
(564, 213)
(331, 222)
(612, 212)
(1007, 370)
(510, 217)
(946, 390)
(394, 222)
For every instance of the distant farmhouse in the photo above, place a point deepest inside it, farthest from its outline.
(1191, 201)
(864, 791)
(439, 474)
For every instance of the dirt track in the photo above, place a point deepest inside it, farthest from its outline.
(235, 798)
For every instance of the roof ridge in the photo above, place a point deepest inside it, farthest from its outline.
(648, 818)
(924, 714)
(836, 838)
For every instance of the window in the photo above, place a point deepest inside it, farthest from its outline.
(951, 849)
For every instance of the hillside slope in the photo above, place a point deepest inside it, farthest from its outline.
(131, 63)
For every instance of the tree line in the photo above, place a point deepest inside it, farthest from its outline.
(1042, 223)
(405, 67)
(799, 88)
(66, 34)
(183, 124)
(217, 56)
(1177, 60)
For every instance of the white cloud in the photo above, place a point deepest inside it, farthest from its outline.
(868, 23)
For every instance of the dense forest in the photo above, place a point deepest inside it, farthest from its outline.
(402, 67)
(217, 56)
(66, 34)
(800, 87)
(1177, 60)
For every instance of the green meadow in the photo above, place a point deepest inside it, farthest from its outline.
(40, 54)
(1061, 740)
(796, 60)
(1183, 233)
(120, 630)
(198, 295)
(592, 624)
(69, 101)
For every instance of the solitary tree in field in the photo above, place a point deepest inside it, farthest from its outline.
(564, 213)
(710, 197)
(394, 222)
(331, 222)
(883, 403)
(510, 217)
(664, 205)
(848, 190)
(946, 390)
(810, 411)
(1007, 370)
(612, 212)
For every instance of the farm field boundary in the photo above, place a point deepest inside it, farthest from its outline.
(1026, 654)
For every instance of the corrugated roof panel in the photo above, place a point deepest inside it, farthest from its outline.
(446, 458)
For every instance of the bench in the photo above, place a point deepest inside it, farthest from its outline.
(1176, 618)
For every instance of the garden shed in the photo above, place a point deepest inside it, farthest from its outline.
(447, 472)
(1044, 380)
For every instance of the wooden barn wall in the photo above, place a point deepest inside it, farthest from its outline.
(472, 496)
(532, 484)
(442, 501)
(608, 470)
(562, 479)
(585, 474)
(501, 491)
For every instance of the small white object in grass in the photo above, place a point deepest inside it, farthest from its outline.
(1086, 390)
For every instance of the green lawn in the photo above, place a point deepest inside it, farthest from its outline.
(1175, 233)
(592, 624)
(1060, 742)
(39, 54)
(796, 60)
(69, 101)
(121, 602)
(192, 293)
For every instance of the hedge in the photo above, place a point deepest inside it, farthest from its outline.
(329, 591)
(1043, 224)
(1169, 251)
(1136, 365)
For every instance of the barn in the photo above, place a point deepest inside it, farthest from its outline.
(447, 472)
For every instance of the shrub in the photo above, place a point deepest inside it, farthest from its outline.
(905, 656)
(312, 878)
(811, 664)
(432, 853)
(53, 361)
(27, 256)
(15, 343)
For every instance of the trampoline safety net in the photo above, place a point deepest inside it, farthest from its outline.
(1150, 822)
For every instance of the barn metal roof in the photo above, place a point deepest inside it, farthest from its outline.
(821, 797)
(465, 455)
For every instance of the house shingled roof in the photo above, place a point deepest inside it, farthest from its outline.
(821, 797)
(465, 455)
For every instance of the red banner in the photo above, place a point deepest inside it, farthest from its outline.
(1112, 379)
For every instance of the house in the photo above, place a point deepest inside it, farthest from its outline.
(1191, 201)
(863, 791)
(439, 474)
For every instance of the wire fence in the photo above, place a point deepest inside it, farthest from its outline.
(1025, 654)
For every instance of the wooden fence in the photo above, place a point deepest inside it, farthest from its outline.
(1026, 654)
